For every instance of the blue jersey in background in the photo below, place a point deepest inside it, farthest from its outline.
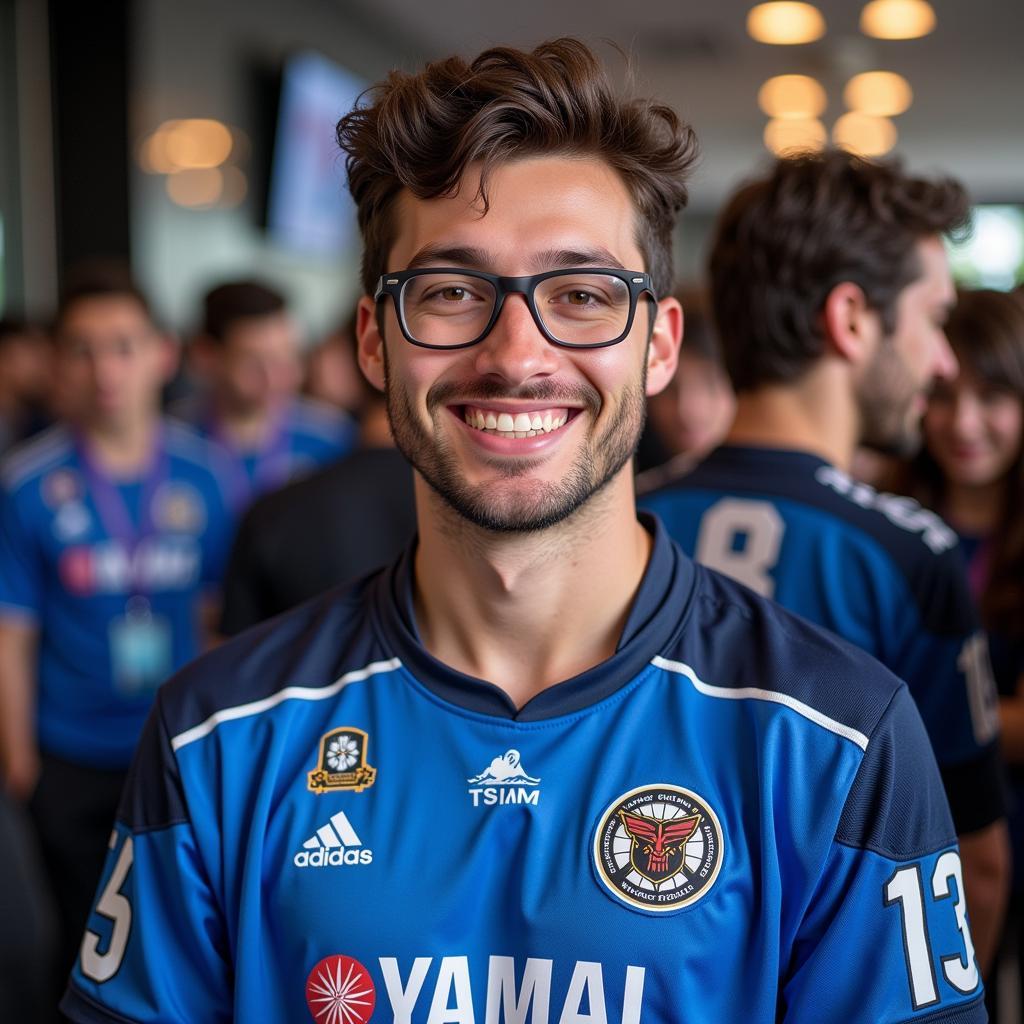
(877, 569)
(737, 817)
(111, 574)
(306, 435)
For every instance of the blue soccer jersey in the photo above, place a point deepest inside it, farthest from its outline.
(877, 569)
(111, 575)
(306, 435)
(736, 818)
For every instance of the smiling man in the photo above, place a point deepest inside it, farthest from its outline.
(543, 767)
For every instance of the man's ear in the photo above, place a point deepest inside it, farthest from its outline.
(170, 355)
(663, 349)
(370, 343)
(852, 328)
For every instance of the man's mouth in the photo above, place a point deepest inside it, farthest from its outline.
(520, 424)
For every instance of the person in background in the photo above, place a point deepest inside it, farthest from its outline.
(114, 526)
(352, 516)
(248, 354)
(971, 471)
(25, 377)
(691, 416)
(332, 371)
(830, 286)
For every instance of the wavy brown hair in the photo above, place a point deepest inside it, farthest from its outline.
(422, 131)
(986, 331)
(785, 240)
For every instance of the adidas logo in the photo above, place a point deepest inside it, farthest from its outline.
(334, 845)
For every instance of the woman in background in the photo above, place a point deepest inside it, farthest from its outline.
(971, 471)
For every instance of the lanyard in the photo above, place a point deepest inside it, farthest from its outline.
(110, 503)
(271, 467)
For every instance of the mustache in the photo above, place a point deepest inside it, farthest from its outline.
(551, 391)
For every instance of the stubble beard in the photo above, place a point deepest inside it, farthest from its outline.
(514, 503)
(885, 399)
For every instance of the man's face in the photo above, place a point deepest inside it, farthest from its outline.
(893, 389)
(111, 362)
(258, 363)
(464, 418)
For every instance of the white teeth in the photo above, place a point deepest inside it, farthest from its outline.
(523, 424)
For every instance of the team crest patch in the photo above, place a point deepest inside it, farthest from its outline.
(342, 762)
(178, 507)
(60, 486)
(658, 848)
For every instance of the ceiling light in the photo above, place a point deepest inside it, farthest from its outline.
(785, 24)
(197, 142)
(880, 93)
(790, 135)
(198, 188)
(897, 19)
(863, 134)
(792, 96)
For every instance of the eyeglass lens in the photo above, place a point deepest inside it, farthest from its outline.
(576, 308)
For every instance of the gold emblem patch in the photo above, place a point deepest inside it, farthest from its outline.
(342, 762)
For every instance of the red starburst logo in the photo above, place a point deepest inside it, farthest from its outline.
(339, 990)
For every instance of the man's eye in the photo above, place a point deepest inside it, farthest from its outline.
(454, 294)
(580, 298)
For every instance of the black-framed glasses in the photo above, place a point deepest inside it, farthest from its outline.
(444, 307)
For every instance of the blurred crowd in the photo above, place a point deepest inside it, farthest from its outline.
(158, 496)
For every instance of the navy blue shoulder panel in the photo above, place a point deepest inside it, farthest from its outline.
(916, 540)
(736, 638)
(311, 645)
(897, 807)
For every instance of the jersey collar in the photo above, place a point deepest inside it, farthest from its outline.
(659, 609)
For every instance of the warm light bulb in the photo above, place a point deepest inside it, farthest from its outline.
(790, 135)
(792, 96)
(863, 134)
(785, 24)
(879, 93)
(897, 19)
(197, 143)
(198, 188)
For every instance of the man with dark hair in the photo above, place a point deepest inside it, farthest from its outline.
(248, 353)
(543, 766)
(113, 528)
(830, 288)
(25, 369)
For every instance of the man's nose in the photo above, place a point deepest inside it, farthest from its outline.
(515, 350)
(946, 366)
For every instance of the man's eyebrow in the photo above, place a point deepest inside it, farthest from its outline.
(477, 259)
(450, 255)
(564, 259)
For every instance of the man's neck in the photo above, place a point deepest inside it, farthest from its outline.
(246, 429)
(816, 415)
(526, 611)
(122, 450)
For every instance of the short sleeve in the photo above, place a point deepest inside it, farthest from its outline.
(21, 563)
(155, 946)
(885, 937)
